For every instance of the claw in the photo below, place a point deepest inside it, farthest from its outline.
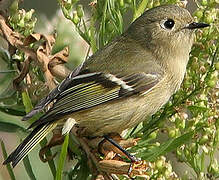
(120, 149)
(140, 168)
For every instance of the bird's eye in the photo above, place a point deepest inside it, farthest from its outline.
(168, 24)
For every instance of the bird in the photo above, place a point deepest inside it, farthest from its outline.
(123, 83)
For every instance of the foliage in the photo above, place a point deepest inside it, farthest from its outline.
(189, 123)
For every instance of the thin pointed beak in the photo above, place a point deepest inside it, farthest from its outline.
(195, 25)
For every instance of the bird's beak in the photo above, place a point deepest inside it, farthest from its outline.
(195, 25)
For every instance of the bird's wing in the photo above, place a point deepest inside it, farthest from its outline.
(92, 89)
(29, 143)
(53, 94)
(78, 93)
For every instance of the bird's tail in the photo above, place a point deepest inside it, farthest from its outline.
(29, 143)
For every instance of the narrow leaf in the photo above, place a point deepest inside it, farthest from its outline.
(27, 102)
(9, 168)
(168, 146)
(140, 9)
(62, 158)
(28, 168)
(11, 111)
(49, 154)
(10, 127)
(83, 172)
(4, 55)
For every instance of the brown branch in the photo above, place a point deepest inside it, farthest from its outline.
(43, 55)
(56, 64)
(44, 61)
(13, 38)
(23, 73)
(84, 144)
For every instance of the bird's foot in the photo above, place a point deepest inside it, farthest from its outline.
(113, 148)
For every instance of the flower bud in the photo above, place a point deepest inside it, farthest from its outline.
(195, 65)
(172, 133)
(203, 69)
(214, 167)
(153, 135)
(140, 134)
(159, 164)
(156, 3)
(186, 152)
(80, 11)
(204, 2)
(179, 153)
(128, 1)
(182, 124)
(150, 4)
(76, 19)
(68, 6)
(167, 173)
(28, 15)
(211, 83)
(198, 13)
(209, 17)
(203, 139)
(109, 26)
(21, 23)
(193, 148)
(216, 66)
(121, 3)
(187, 83)
(205, 149)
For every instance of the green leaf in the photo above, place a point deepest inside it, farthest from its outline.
(62, 158)
(13, 112)
(7, 77)
(10, 127)
(140, 9)
(92, 36)
(27, 102)
(197, 109)
(7, 74)
(73, 146)
(49, 154)
(28, 105)
(4, 55)
(83, 172)
(28, 168)
(168, 146)
(9, 168)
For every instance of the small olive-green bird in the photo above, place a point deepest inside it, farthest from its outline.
(122, 84)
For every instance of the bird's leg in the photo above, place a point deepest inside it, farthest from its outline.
(114, 164)
(131, 157)
(114, 143)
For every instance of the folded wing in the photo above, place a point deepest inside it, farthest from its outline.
(92, 89)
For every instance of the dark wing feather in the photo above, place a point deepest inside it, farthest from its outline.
(92, 89)
(29, 143)
(53, 94)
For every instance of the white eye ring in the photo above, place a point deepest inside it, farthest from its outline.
(167, 24)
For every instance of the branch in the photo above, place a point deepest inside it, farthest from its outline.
(51, 65)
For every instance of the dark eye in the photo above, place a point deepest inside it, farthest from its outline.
(169, 23)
